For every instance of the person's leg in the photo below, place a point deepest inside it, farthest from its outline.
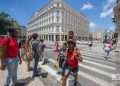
(14, 73)
(75, 81)
(64, 80)
(41, 57)
(8, 79)
(28, 65)
(75, 76)
(37, 61)
(106, 55)
(35, 67)
(67, 72)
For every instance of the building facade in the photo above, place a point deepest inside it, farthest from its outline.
(54, 20)
(98, 35)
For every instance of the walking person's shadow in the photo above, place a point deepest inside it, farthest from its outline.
(24, 82)
(71, 83)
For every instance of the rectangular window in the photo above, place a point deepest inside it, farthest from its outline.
(52, 37)
(57, 28)
(58, 19)
(63, 38)
(49, 37)
(57, 37)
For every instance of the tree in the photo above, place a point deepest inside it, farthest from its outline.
(5, 22)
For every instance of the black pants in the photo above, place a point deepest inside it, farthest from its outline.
(35, 70)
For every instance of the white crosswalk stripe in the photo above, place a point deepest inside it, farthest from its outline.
(96, 70)
(84, 74)
(94, 79)
(100, 65)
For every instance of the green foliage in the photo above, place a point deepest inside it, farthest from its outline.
(5, 22)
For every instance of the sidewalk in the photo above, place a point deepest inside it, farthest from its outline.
(23, 76)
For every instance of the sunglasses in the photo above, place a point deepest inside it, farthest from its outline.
(70, 42)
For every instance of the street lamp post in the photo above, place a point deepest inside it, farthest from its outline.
(116, 20)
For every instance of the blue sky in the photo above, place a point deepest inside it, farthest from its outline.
(98, 12)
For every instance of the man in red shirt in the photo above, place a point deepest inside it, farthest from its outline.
(12, 56)
(72, 60)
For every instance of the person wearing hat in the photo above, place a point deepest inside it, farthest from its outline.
(72, 59)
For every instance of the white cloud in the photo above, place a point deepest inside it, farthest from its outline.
(109, 12)
(87, 6)
(92, 25)
(108, 9)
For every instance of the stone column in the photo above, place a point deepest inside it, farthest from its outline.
(54, 38)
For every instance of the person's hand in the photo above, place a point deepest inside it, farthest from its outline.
(77, 55)
(20, 61)
(73, 57)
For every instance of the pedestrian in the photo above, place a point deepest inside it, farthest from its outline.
(36, 52)
(26, 53)
(71, 35)
(29, 57)
(114, 43)
(12, 56)
(61, 57)
(90, 43)
(72, 60)
(42, 49)
(107, 48)
(64, 47)
(56, 46)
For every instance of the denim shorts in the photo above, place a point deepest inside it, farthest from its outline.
(12, 60)
(67, 70)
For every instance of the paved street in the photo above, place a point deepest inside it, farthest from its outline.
(93, 71)
(23, 76)
(93, 26)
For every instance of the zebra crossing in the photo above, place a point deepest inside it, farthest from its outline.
(92, 71)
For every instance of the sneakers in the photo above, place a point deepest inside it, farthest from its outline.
(106, 58)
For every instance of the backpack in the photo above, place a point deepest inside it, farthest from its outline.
(2, 54)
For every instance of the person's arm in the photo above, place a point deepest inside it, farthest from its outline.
(3, 42)
(19, 56)
(78, 55)
(3, 46)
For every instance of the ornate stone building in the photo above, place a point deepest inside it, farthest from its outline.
(53, 21)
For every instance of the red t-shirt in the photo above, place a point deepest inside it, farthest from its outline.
(12, 47)
(72, 62)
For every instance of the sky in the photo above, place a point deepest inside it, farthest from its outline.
(98, 12)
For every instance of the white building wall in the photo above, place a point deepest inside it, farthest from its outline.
(57, 19)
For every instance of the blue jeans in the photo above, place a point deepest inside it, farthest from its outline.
(108, 52)
(35, 70)
(12, 65)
